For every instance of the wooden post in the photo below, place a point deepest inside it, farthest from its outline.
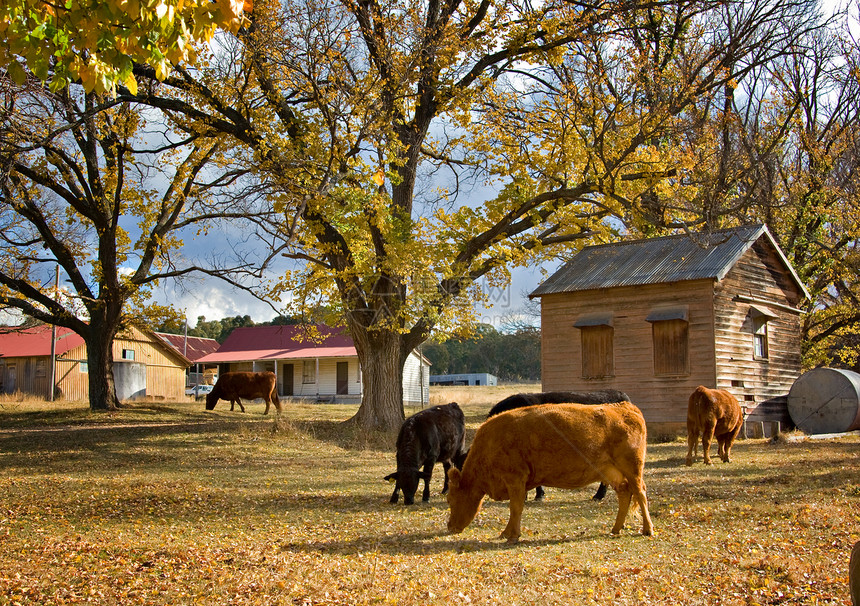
(854, 575)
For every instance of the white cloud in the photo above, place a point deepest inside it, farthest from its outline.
(214, 300)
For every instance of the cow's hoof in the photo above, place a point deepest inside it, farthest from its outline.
(689, 462)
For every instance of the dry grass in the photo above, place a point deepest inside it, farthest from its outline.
(170, 504)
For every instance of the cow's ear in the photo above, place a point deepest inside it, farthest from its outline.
(392, 477)
(454, 477)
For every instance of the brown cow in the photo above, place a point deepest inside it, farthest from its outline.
(561, 445)
(713, 413)
(249, 385)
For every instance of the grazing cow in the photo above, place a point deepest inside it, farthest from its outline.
(713, 413)
(606, 396)
(249, 385)
(436, 434)
(854, 574)
(563, 445)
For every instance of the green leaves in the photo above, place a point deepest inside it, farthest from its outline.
(95, 42)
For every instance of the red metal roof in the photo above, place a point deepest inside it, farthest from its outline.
(192, 348)
(282, 342)
(36, 341)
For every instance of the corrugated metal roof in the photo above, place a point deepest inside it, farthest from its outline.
(36, 341)
(659, 260)
(192, 348)
(281, 342)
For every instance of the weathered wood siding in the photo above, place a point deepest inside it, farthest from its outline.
(73, 376)
(165, 370)
(662, 398)
(26, 375)
(755, 281)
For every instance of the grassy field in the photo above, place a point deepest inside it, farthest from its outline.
(170, 504)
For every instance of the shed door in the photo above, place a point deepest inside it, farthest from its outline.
(11, 383)
(342, 378)
(287, 380)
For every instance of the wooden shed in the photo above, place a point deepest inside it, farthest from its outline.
(144, 365)
(656, 318)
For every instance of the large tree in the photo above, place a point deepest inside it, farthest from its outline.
(94, 194)
(787, 154)
(808, 188)
(568, 112)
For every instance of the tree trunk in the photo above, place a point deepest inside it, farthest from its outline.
(381, 358)
(99, 341)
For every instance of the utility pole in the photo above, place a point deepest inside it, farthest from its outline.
(51, 386)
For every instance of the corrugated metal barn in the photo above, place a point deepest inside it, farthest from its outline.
(655, 318)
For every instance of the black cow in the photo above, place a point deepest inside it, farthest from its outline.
(521, 400)
(437, 434)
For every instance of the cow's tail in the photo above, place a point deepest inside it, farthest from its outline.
(274, 397)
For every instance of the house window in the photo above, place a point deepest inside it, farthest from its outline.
(128, 354)
(84, 367)
(309, 372)
(597, 339)
(41, 369)
(670, 336)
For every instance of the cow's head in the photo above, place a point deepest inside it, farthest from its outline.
(463, 502)
(407, 481)
(211, 400)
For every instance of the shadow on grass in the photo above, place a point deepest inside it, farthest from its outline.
(347, 435)
(421, 543)
(35, 439)
(45, 437)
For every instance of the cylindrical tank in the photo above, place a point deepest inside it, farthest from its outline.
(129, 379)
(825, 400)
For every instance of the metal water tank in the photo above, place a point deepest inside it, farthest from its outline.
(825, 400)
(129, 379)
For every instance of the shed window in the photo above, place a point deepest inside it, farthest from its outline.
(598, 352)
(760, 341)
(670, 337)
(760, 317)
(598, 356)
(41, 369)
(309, 372)
(84, 367)
(128, 354)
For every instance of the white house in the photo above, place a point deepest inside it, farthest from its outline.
(315, 362)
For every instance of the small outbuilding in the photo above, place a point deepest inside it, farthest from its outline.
(144, 366)
(655, 318)
(316, 362)
(471, 378)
